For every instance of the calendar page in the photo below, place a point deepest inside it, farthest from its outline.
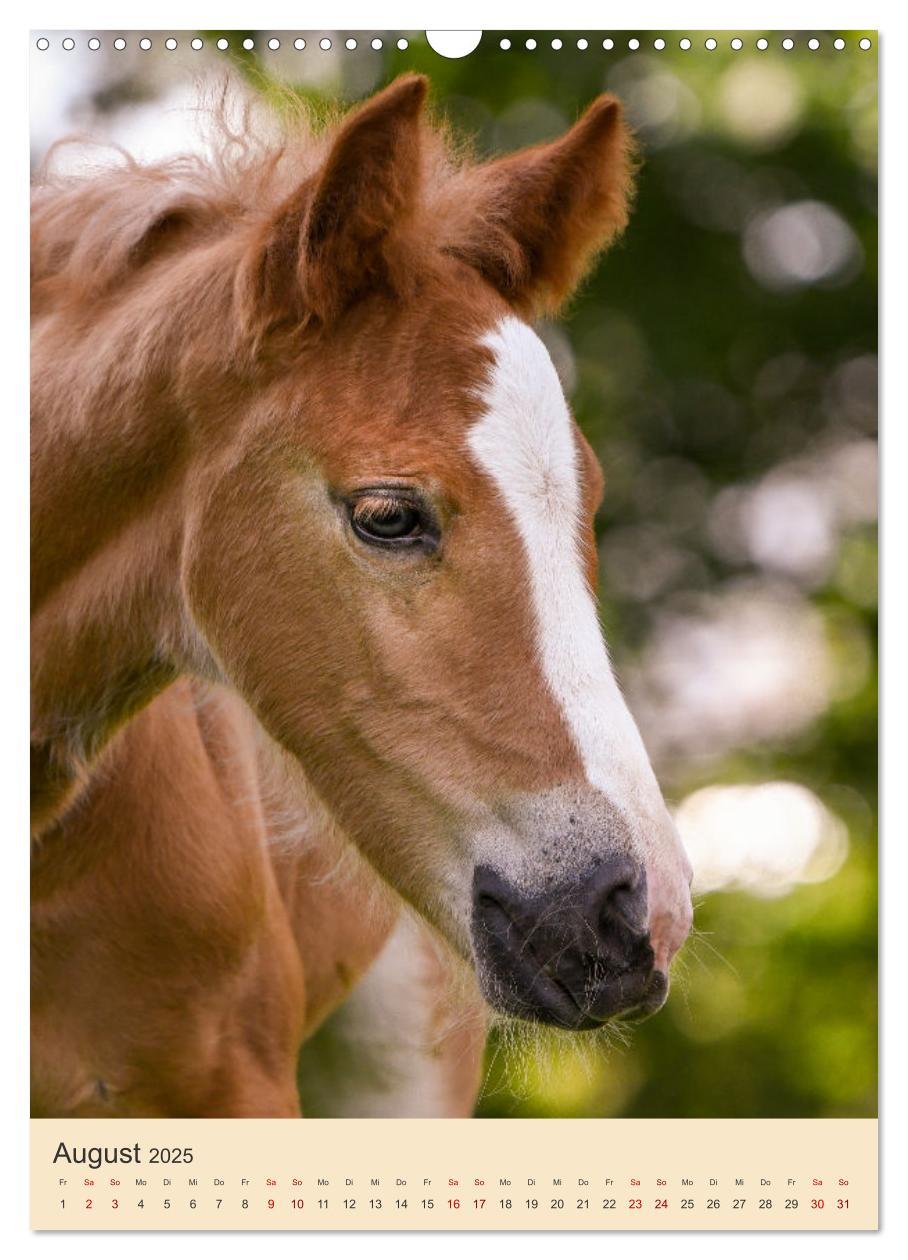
(454, 758)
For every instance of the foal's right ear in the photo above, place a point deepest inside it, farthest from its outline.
(537, 218)
(327, 244)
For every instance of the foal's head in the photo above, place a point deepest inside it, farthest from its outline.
(390, 551)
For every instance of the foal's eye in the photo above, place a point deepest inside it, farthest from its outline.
(387, 520)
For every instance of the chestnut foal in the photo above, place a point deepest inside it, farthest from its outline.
(320, 691)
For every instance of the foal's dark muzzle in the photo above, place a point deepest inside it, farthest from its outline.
(573, 955)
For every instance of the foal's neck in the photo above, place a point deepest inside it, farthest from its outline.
(108, 622)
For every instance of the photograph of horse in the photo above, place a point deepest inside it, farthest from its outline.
(322, 710)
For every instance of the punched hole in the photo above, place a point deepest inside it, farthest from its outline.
(453, 44)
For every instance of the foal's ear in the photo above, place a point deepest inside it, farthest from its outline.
(544, 212)
(367, 186)
(326, 245)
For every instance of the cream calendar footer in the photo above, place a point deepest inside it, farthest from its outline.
(454, 1174)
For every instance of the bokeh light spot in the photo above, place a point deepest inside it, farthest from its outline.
(801, 244)
(763, 838)
(761, 103)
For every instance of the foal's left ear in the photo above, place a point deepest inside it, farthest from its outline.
(327, 244)
(538, 216)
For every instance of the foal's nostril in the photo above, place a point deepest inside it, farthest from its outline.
(617, 896)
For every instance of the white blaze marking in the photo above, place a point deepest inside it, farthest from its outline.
(524, 441)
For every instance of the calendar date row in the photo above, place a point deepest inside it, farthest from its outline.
(547, 1203)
